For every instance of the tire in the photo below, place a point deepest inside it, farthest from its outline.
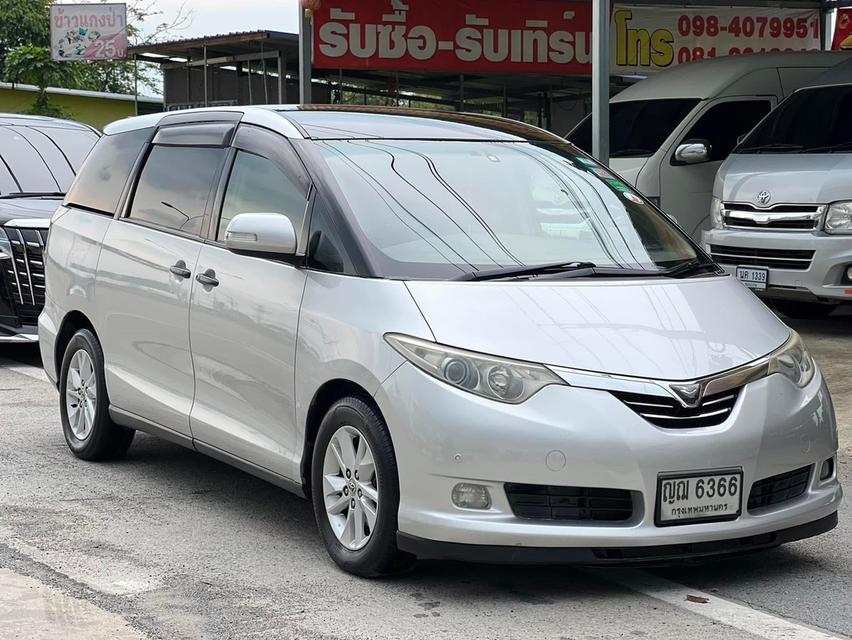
(373, 551)
(98, 438)
(803, 310)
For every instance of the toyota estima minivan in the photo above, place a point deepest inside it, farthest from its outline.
(459, 335)
(670, 133)
(782, 202)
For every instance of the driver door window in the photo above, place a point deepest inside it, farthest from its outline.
(722, 124)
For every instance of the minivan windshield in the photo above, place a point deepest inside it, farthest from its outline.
(637, 128)
(815, 120)
(435, 209)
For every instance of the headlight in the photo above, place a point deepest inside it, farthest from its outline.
(838, 218)
(793, 361)
(5, 245)
(717, 220)
(495, 378)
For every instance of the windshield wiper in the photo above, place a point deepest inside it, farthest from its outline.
(31, 194)
(524, 270)
(623, 153)
(842, 146)
(579, 269)
(776, 146)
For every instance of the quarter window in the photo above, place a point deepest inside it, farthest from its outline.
(725, 122)
(175, 185)
(258, 185)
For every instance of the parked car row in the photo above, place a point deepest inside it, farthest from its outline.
(779, 216)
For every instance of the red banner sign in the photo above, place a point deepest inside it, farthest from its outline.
(843, 30)
(544, 36)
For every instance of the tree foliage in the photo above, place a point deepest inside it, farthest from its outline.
(25, 50)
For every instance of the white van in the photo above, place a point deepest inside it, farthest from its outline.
(782, 206)
(670, 133)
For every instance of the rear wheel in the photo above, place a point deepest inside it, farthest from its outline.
(355, 490)
(803, 310)
(84, 406)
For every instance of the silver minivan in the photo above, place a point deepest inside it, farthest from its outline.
(460, 336)
(670, 132)
(782, 202)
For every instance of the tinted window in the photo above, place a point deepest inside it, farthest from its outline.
(258, 185)
(52, 156)
(725, 122)
(636, 128)
(27, 166)
(811, 120)
(105, 172)
(174, 187)
(434, 209)
(74, 143)
(325, 247)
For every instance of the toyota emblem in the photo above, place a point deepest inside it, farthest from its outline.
(764, 197)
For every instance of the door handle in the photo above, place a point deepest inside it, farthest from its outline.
(208, 278)
(179, 269)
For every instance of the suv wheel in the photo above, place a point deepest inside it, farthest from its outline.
(84, 405)
(355, 490)
(803, 310)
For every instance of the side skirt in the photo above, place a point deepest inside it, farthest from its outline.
(133, 421)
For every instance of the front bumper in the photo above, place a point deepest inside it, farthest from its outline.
(568, 436)
(823, 280)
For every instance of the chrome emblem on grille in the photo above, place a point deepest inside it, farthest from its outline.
(764, 197)
(688, 394)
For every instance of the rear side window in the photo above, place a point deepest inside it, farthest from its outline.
(258, 185)
(725, 122)
(175, 185)
(104, 174)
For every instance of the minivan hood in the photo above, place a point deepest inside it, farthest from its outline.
(675, 329)
(27, 209)
(628, 168)
(790, 178)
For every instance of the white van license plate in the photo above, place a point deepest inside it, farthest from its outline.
(753, 278)
(699, 497)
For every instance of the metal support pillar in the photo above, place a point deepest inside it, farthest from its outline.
(600, 80)
(205, 76)
(282, 78)
(305, 53)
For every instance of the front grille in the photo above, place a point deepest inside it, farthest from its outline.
(24, 272)
(549, 502)
(735, 221)
(665, 411)
(777, 489)
(791, 259)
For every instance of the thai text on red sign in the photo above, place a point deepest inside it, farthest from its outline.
(545, 36)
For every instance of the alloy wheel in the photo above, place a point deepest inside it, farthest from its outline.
(350, 487)
(81, 394)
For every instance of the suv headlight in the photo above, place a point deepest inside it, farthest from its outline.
(491, 377)
(793, 361)
(5, 245)
(717, 220)
(838, 218)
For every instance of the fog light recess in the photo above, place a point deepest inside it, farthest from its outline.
(826, 471)
(471, 496)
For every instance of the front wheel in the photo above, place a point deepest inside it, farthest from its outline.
(84, 406)
(355, 490)
(803, 310)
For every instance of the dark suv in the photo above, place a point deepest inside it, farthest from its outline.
(39, 158)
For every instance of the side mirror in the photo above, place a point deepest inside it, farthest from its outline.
(693, 151)
(259, 233)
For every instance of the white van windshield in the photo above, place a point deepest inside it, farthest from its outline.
(438, 209)
(813, 120)
(636, 128)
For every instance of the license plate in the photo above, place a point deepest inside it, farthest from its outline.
(699, 497)
(753, 278)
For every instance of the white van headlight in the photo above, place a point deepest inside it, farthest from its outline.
(793, 361)
(838, 218)
(717, 220)
(491, 377)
